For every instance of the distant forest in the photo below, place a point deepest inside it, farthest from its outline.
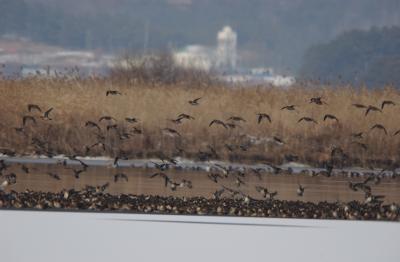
(359, 57)
(270, 33)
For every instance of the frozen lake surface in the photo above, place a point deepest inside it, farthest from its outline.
(69, 236)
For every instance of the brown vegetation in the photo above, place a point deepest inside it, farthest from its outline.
(76, 101)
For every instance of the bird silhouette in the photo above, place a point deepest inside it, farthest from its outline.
(194, 102)
(236, 118)
(387, 102)
(357, 135)
(360, 106)
(77, 172)
(120, 176)
(372, 108)
(107, 118)
(186, 116)
(218, 122)
(171, 131)
(362, 145)
(46, 114)
(92, 124)
(32, 107)
(300, 190)
(379, 126)
(25, 120)
(317, 100)
(328, 116)
(115, 127)
(54, 175)
(214, 177)
(131, 120)
(113, 92)
(289, 107)
(261, 116)
(307, 119)
(396, 133)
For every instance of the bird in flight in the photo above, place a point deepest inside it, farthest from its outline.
(131, 120)
(357, 135)
(120, 176)
(46, 114)
(171, 131)
(396, 133)
(329, 116)
(194, 102)
(300, 190)
(362, 145)
(387, 102)
(218, 122)
(359, 106)
(186, 116)
(317, 100)
(261, 116)
(108, 118)
(25, 119)
(289, 107)
(92, 124)
(307, 119)
(32, 107)
(54, 175)
(372, 108)
(236, 119)
(113, 92)
(379, 126)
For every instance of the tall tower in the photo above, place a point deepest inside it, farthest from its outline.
(226, 50)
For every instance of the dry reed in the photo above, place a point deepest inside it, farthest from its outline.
(76, 101)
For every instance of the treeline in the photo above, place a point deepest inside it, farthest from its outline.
(359, 57)
(272, 33)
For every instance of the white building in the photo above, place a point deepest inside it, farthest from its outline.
(226, 49)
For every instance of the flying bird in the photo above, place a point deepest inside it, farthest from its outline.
(131, 120)
(120, 176)
(171, 131)
(186, 116)
(289, 107)
(317, 100)
(359, 106)
(32, 107)
(77, 172)
(108, 118)
(218, 122)
(328, 116)
(54, 175)
(300, 190)
(113, 92)
(46, 114)
(379, 126)
(236, 118)
(25, 119)
(357, 135)
(92, 124)
(396, 133)
(307, 119)
(372, 108)
(387, 102)
(194, 102)
(261, 116)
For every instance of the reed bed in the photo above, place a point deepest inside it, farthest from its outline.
(76, 101)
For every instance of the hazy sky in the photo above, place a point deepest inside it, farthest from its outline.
(270, 32)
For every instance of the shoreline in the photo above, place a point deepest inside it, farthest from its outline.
(192, 165)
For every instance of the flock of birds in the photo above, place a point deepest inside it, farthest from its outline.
(216, 174)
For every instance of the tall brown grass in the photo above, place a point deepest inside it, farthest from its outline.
(77, 101)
